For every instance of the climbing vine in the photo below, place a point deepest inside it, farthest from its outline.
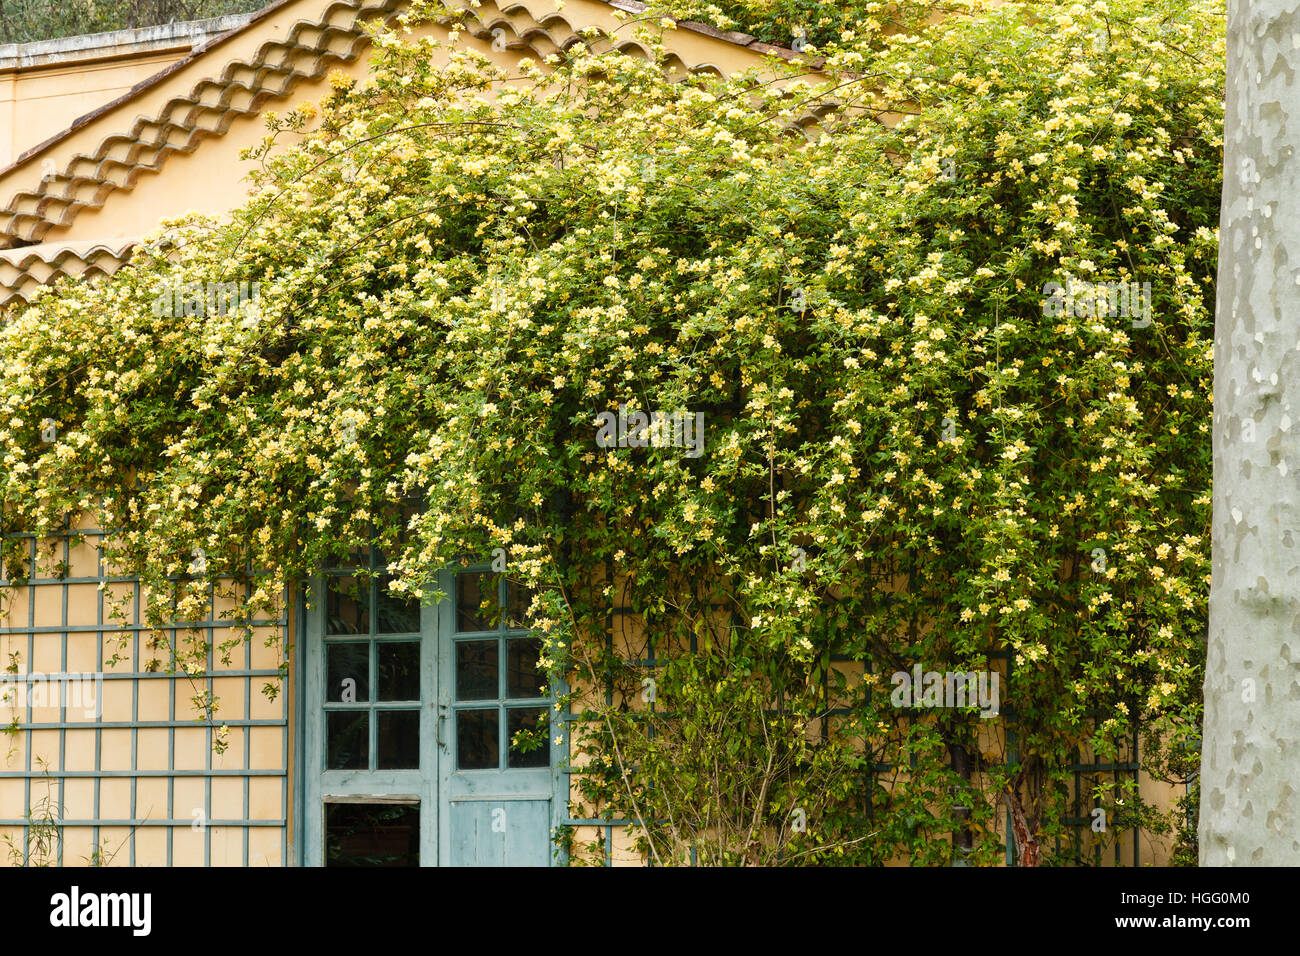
(896, 427)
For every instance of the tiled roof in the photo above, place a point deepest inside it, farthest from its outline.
(23, 271)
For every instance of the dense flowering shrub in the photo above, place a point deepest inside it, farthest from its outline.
(853, 24)
(927, 442)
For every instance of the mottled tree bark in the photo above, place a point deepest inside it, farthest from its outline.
(1250, 762)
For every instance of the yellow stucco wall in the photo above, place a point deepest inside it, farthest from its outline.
(45, 86)
(37, 103)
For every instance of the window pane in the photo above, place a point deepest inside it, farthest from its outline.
(476, 602)
(476, 739)
(399, 740)
(396, 614)
(348, 735)
(476, 670)
(399, 670)
(372, 834)
(347, 606)
(531, 719)
(347, 668)
(518, 599)
(350, 559)
(523, 679)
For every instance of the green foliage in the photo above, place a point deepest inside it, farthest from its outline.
(853, 23)
(24, 21)
(910, 457)
(44, 834)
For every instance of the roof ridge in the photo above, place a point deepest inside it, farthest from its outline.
(59, 50)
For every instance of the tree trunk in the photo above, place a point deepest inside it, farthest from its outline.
(1024, 813)
(1250, 760)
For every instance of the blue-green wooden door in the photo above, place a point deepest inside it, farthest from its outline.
(498, 799)
(409, 710)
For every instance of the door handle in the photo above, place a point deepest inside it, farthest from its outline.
(437, 732)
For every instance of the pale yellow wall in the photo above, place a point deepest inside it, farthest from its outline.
(46, 85)
(39, 102)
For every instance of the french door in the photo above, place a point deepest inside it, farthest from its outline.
(411, 715)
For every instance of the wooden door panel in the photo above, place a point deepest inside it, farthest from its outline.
(499, 832)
